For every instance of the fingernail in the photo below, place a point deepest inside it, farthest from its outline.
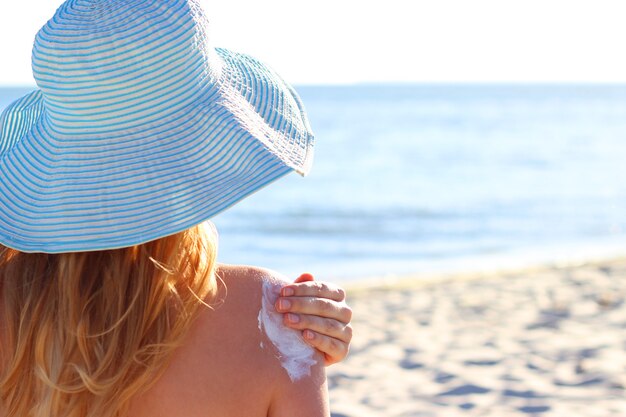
(309, 335)
(293, 318)
(284, 304)
(288, 292)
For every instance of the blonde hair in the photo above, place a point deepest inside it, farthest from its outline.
(85, 332)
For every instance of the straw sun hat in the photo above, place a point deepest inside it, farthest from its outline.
(140, 129)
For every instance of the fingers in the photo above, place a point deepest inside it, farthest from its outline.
(315, 306)
(304, 278)
(328, 327)
(312, 288)
(334, 350)
(319, 311)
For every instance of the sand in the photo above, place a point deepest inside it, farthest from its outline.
(540, 342)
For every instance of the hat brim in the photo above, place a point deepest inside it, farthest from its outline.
(96, 190)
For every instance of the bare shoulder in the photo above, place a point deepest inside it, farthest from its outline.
(240, 293)
(244, 314)
(224, 357)
(234, 313)
(250, 279)
(246, 288)
(298, 374)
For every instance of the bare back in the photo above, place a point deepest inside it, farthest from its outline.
(228, 367)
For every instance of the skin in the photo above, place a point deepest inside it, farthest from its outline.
(319, 310)
(220, 362)
(221, 370)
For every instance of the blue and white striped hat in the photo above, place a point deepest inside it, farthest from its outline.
(140, 129)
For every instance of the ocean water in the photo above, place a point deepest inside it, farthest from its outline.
(424, 178)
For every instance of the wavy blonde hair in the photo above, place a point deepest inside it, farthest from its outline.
(82, 333)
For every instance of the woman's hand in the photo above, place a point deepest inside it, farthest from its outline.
(319, 310)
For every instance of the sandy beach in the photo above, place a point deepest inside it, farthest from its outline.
(548, 341)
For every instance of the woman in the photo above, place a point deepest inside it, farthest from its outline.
(111, 301)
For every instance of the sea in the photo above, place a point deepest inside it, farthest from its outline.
(414, 179)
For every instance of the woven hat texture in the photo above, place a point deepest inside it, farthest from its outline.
(140, 128)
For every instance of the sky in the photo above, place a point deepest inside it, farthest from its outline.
(352, 41)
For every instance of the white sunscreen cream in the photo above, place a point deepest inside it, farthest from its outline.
(294, 354)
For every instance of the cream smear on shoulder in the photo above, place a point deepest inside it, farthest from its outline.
(294, 354)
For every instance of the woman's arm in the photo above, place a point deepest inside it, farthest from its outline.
(307, 397)
(319, 310)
